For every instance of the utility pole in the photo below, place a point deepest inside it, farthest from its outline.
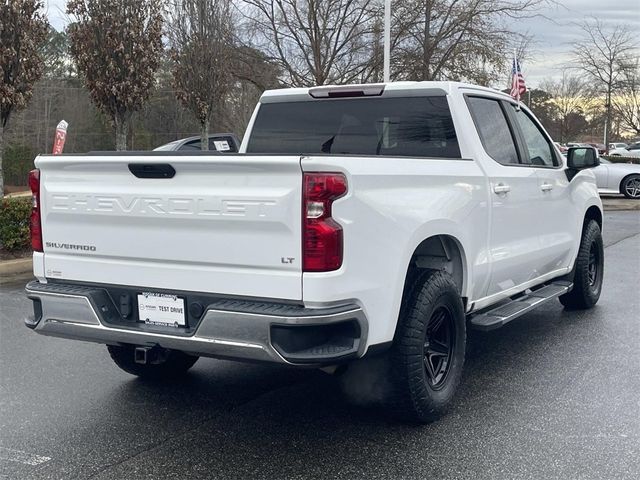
(387, 40)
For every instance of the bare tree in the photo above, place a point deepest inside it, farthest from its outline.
(568, 97)
(117, 45)
(201, 40)
(253, 66)
(23, 30)
(602, 56)
(316, 42)
(253, 73)
(456, 39)
(626, 102)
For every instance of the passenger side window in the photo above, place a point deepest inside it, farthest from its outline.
(539, 148)
(494, 130)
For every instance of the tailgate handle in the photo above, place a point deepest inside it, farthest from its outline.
(152, 170)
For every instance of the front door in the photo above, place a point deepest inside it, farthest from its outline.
(558, 226)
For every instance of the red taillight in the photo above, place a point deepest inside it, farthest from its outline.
(322, 236)
(34, 221)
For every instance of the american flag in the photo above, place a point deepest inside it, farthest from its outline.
(518, 86)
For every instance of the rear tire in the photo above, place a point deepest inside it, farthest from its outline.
(168, 364)
(589, 270)
(427, 355)
(630, 187)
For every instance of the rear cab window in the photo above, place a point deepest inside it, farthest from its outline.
(394, 126)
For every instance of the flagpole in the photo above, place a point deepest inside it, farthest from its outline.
(387, 40)
(514, 73)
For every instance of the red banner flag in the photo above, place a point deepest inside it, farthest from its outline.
(61, 136)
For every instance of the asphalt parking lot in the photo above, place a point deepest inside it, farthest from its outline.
(554, 394)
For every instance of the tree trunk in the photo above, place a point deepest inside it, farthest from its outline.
(122, 128)
(607, 124)
(426, 46)
(204, 135)
(1, 153)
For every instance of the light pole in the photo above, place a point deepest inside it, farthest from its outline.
(387, 39)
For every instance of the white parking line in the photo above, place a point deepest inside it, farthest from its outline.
(19, 456)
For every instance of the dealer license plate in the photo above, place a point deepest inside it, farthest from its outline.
(161, 309)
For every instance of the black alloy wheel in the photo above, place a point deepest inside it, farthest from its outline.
(439, 345)
(593, 267)
(588, 272)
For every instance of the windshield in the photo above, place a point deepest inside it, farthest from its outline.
(405, 126)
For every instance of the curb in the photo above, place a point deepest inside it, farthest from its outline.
(18, 194)
(12, 268)
(618, 204)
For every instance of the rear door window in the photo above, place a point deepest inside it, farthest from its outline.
(493, 128)
(404, 126)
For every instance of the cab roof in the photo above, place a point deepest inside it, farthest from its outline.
(370, 89)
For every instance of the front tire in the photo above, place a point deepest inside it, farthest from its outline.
(589, 270)
(630, 187)
(167, 364)
(427, 355)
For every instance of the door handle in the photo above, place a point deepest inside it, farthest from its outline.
(545, 187)
(152, 170)
(501, 188)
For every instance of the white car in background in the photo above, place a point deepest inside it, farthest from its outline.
(219, 142)
(614, 146)
(632, 150)
(618, 178)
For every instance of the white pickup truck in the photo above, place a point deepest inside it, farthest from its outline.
(359, 226)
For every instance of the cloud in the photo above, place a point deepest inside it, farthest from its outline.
(553, 36)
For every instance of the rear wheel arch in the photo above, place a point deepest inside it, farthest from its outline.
(439, 252)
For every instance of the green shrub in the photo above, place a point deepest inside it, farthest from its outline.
(14, 223)
(17, 161)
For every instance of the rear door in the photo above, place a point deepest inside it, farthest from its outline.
(222, 224)
(514, 243)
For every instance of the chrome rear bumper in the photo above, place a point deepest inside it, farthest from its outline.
(232, 329)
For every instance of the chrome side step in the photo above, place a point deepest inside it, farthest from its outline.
(503, 314)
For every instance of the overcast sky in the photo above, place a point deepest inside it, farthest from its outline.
(552, 37)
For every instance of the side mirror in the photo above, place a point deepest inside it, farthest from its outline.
(579, 158)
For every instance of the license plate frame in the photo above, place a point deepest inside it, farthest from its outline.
(162, 309)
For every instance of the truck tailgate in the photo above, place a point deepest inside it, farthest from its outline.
(223, 224)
